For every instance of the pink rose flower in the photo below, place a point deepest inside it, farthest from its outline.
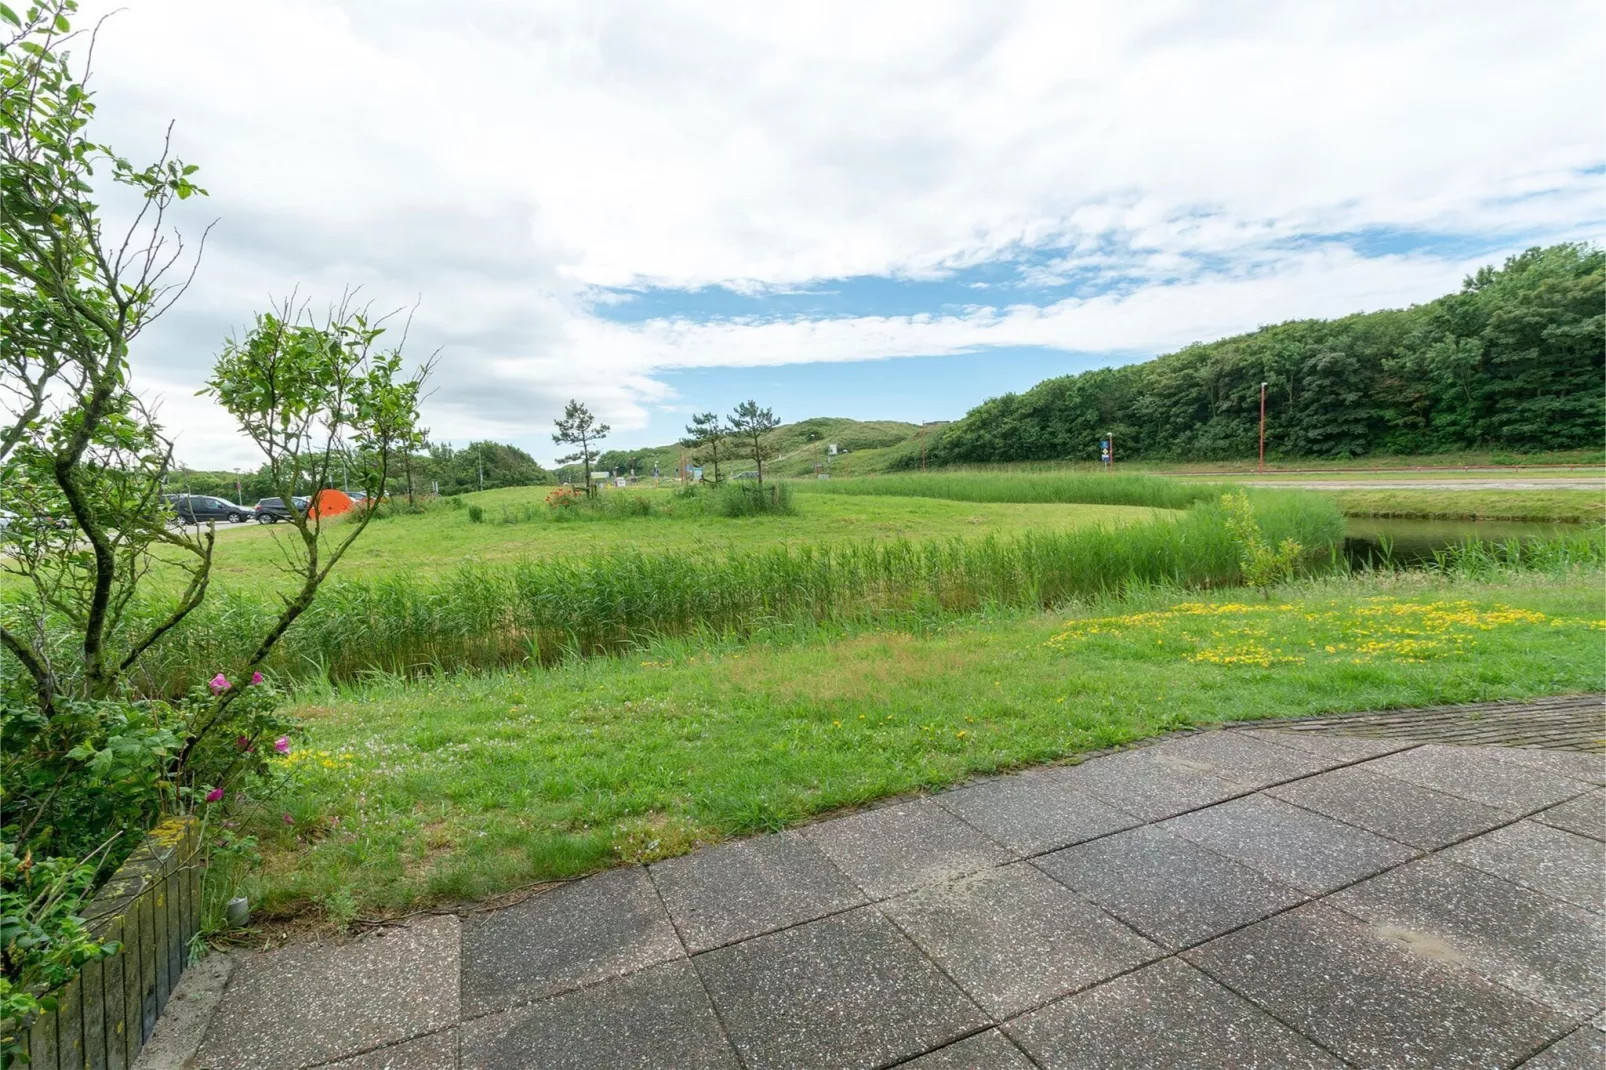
(288, 820)
(215, 795)
(282, 744)
(256, 678)
(243, 743)
(219, 684)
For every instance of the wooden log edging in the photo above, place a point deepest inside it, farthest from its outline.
(152, 906)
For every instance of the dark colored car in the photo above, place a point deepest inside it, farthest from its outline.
(272, 510)
(200, 508)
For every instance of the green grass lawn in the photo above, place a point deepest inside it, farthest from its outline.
(1559, 505)
(442, 540)
(454, 787)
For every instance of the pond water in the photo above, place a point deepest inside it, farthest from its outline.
(1414, 541)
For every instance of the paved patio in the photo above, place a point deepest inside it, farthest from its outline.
(1250, 898)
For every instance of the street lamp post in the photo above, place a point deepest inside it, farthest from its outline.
(1262, 427)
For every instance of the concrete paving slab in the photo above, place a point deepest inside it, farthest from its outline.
(1172, 891)
(848, 991)
(1150, 786)
(1014, 939)
(1165, 1015)
(718, 896)
(189, 1012)
(1552, 952)
(1393, 808)
(1582, 1049)
(1243, 758)
(1034, 812)
(1585, 815)
(1579, 765)
(1308, 851)
(1472, 773)
(438, 1051)
(1325, 744)
(576, 934)
(1550, 860)
(984, 1051)
(659, 1017)
(1488, 950)
(890, 851)
(316, 1003)
(1376, 1002)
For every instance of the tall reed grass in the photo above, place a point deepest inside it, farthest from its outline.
(1555, 554)
(543, 610)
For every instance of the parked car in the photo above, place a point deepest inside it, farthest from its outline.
(15, 522)
(272, 510)
(200, 508)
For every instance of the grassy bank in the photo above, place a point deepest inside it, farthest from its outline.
(541, 610)
(410, 792)
(1571, 506)
(1025, 486)
(517, 524)
(1441, 462)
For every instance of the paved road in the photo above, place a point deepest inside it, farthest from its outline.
(1268, 897)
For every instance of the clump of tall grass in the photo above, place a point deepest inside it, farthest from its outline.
(752, 499)
(1555, 554)
(543, 610)
(1044, 487)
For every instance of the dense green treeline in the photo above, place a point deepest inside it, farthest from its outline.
(477, 466)
(1514, 361)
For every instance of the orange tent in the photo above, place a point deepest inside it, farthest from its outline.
(330, 503)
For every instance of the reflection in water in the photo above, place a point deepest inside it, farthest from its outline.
(1411, 542)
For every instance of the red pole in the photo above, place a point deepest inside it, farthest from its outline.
(1262, 427)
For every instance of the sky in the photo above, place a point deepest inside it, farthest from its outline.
(873, 210)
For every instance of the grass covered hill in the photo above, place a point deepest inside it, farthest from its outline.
(1516, 360)
(864, 447)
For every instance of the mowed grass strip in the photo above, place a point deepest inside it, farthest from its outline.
(460, 787)
(1572, 506)
(1028, 486)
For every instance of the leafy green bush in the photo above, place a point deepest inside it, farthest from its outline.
(476, 514)
(43, 940)
(87, 764)
(1261, 564)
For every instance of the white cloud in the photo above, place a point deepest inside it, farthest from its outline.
(502, 162)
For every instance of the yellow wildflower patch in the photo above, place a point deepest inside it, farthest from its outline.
(1264, 635)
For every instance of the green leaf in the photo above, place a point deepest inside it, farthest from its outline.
(10, 16)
